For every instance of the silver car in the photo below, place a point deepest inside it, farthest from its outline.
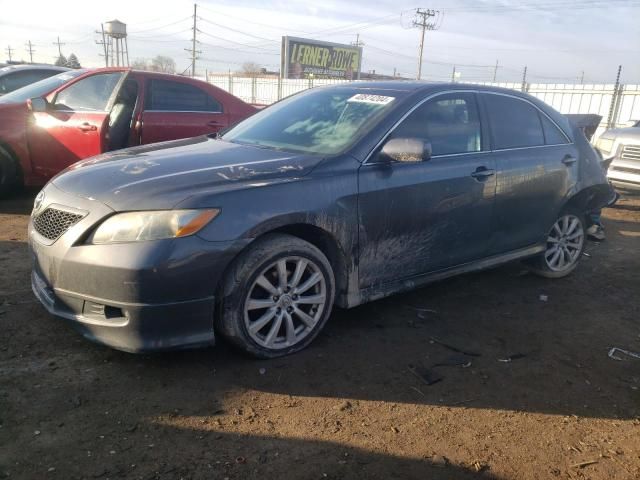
(621, 146)
(13, 77)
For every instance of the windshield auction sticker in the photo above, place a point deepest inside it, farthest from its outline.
(368, 98)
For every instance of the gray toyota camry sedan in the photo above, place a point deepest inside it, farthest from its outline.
(335, 196)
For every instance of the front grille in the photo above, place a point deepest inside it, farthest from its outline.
(631, 152)
(635, 171)
(52, 222)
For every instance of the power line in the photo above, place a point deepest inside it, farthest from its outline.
(162, 26)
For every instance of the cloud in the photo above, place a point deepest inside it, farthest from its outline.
(552, 41)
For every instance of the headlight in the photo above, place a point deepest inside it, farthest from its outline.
(605, 145)
(151, 225)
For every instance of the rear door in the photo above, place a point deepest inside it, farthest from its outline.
(75, 125)
(177, 109)
(536, 169)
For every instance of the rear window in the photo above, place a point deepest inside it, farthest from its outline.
(552, 134)
(171, 96)
(514, 122)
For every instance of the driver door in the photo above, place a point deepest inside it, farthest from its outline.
(75, 124)
(425, 216)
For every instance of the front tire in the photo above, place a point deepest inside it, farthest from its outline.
(276, 297)
(565, 243)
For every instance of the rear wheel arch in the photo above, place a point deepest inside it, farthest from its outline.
(588, 199)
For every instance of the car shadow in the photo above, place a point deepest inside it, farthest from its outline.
(19, 203)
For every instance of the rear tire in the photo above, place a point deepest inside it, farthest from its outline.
(10, 178)
(276, 297)
(565, 243)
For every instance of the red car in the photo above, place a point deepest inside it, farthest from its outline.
(47, 126)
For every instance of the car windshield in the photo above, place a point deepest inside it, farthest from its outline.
(323, 121)
(40, 88)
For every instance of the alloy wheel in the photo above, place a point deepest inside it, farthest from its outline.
(285, 302)
(564, 243)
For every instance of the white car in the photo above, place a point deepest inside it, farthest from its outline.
(621, 147)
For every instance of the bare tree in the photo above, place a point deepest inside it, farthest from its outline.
(160, 63)
(251, 69)
(140, 64)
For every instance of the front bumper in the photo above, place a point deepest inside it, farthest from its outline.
(136, 297)
(624, 174)
(131, 327)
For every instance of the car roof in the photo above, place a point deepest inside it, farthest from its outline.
(32, 66)
(411, 86)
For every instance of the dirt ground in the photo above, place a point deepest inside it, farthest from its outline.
(349, 406)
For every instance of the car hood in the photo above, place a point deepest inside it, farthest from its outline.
(623, 134)
(161, 175)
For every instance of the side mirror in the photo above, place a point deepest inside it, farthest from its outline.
(38, 104)
(406, 150)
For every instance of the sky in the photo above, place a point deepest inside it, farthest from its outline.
(559, 41)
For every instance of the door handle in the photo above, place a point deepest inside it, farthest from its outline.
(569, 160)
(213, 123)
(482, 173)
(87, 127)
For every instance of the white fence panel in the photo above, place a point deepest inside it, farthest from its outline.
(566, 98)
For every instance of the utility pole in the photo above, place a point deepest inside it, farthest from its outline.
(422, 21)
(495, 72)
(582, 77)
(524, 79)
(59, 44)
(30, 49)
(194, 52)
(9, 50)
(453, 75)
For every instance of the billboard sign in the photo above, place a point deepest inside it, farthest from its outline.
(306, 58)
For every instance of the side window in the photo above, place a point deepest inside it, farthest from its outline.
(552, 134)
(450, 122)
(514, 123)
(89, 94)
(13, 81)
(179, 97)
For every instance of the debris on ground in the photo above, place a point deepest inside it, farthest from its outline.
(427, 376)
(422, 310)
(457, 360)
(544, 298)
(584, 464)
(439, 461)
(510, 358)
(480, 467)
(452, 348)
(612, 353)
